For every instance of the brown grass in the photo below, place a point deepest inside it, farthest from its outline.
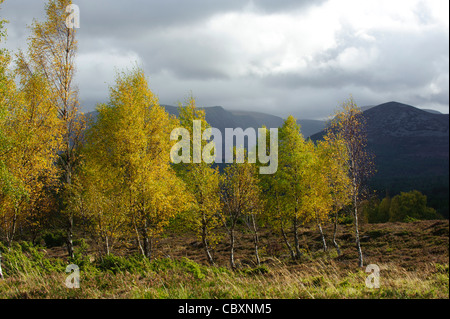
(413, 260)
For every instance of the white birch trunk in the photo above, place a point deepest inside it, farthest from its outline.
(1, 273)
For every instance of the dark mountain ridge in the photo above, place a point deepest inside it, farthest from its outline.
(220, 118)
(411, 148)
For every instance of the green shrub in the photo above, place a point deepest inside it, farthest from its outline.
(409, 219)
(163, 264)
(442, 268)
(182, 265)
(193, 268)
(260, 270)
(116, 264)
(219, 270)
(346, 220)
(23, 259)
(411, 206)
(54, 239)
(314, 281)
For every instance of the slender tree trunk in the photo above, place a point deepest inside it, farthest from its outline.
(205, 245)
(358, 242)
(324, 242)
(355, 210)
(69, 239)
(298, 253)
(286, 240)
(147, 244)
(250, 220)
(1, 273)
(147, 247)
(34, 237)
(232, 263)
(107, 245)
(10, 238)
(207, 252)
(255, 239)
(355, 217)
(141, 248)
(137, 236)
(99, 247)
(334, 234)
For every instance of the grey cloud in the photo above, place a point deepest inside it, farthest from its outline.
(187, 57)
(179, 54)
(132, 18)
(141, 14)
(124, 19)
(285, 5)
(401, 60)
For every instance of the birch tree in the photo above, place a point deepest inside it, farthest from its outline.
(203, 183)
(51, 53)
(7, 90)
(292, 179)
(334, 162)
(33, 128)
(131, 145)
(349, 124)
(318, 200)
(240, 197)
(29, 141)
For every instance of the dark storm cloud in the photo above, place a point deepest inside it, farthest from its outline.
(131, 18)
(280, 57)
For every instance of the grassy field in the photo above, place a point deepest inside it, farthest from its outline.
(413, 260)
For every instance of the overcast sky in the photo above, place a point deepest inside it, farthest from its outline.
(281, 57)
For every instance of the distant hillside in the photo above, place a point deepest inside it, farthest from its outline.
(411, 148)
(221, 118)
(311, 127)
(408, 141)
(367, 107)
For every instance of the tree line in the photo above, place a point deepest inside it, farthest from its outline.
(403, 207)
(111, 178)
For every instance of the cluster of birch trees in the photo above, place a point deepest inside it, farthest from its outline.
(111, 176)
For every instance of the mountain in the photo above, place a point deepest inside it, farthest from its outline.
(408, 141)
(367, 107)
(221, 118)
(216, 116)
(411, 148)
(311, 127)
(431, 111)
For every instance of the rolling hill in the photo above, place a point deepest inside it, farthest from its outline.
(221, 118)
(411, 148)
